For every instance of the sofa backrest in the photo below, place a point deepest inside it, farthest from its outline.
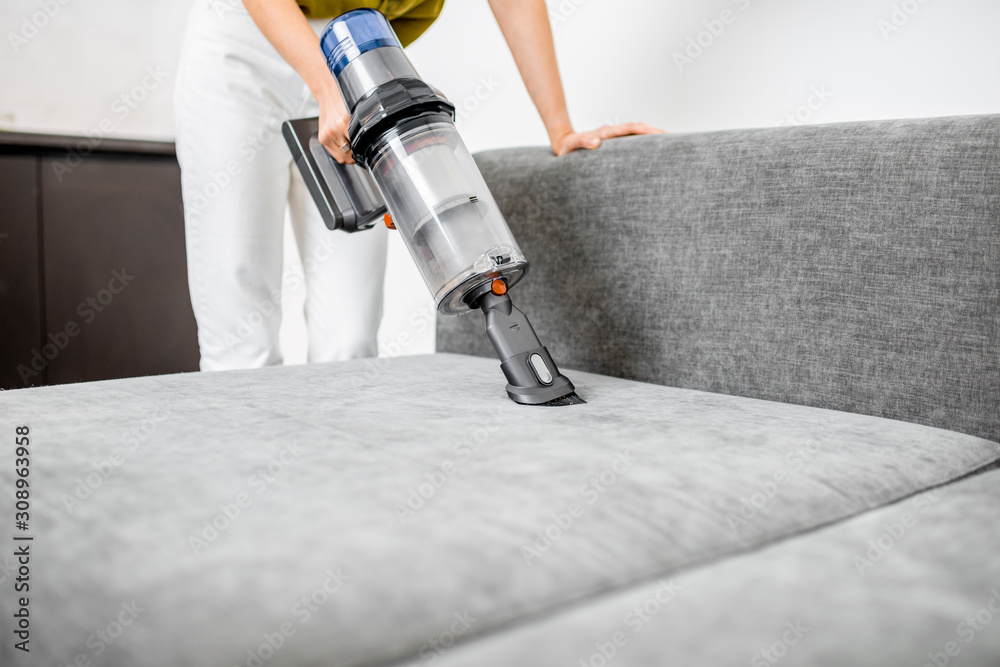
(852, 266)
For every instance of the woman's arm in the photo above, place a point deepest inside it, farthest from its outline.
(525, 27)
(286, 27)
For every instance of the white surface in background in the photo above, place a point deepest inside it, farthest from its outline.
(620, 61)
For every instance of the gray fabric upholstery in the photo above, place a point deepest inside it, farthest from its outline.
(853, 267)
(325, 455)
(850, 601)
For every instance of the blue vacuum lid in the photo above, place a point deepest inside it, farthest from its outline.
(353, 33)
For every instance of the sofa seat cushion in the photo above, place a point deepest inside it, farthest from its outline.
(913, 583)
(362, 512)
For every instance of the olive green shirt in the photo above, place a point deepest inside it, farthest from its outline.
(409, 18)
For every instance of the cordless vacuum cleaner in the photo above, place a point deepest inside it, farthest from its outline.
(415, 173)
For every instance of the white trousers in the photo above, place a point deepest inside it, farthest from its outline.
(237, 177)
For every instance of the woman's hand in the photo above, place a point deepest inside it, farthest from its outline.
(572, 141)
(286, 27)
(333, 122)
(525, 26)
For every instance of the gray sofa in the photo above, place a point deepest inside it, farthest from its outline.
(788, 341)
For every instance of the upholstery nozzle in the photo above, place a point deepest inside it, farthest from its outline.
(532, 376)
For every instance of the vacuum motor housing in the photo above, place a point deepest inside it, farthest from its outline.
(402, 132)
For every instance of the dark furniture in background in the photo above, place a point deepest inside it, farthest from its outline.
(93, 275)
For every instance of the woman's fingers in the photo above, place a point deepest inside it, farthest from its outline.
(577, 140)
(626, 129)
(336, 145)
(333, 135)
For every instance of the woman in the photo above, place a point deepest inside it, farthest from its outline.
(246, 68)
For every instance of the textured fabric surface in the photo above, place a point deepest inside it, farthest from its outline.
(853, 267)
(915, 583)
(306, 471)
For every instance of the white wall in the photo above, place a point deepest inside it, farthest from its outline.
(684, 66)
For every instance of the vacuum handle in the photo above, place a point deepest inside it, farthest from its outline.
(345, 194)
